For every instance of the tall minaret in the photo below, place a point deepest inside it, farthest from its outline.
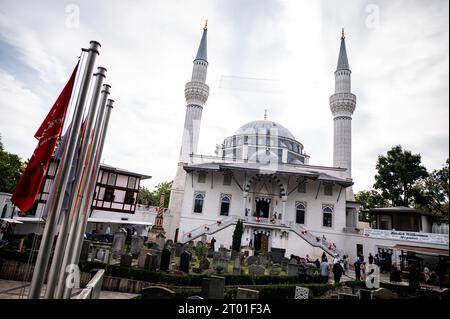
(342, 104)
(196, 93)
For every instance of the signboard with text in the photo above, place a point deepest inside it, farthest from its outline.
(428, 238)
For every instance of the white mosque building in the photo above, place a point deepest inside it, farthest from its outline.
(263, 176)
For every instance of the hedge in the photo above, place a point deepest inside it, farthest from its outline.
(191, 279)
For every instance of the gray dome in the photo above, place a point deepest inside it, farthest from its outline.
(267, 126)
(264, 157)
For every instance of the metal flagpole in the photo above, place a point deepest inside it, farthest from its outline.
(94, 167)
(61, 178)
(64, 230)
(75, 209)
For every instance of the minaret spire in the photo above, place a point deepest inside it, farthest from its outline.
(202, 48)
(342, 60)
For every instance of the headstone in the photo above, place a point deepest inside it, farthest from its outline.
(185, 259)
(251, 260)
(263, 260)
(284, 263)
(347, 296)
(156, 292)
(383, 293)
(178, 249)
(344, 290)
(256, 270)
(160, 240)
(118, 244)
(151, 262)
(292, 269)
(277, 254)
(301, 293)
(165, 260)
(157, 253)
(223, 252)
(275, 270)
(237, 266)
(243, 293)
(126, 260)
(204, 264)
(85, 250)
(137, 242)
(210, 253)
(142, 257)
(194, 297)
(213, 287)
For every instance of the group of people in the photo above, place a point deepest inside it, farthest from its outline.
(338, 267)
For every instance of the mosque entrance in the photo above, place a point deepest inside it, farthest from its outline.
(262, 207)
(261, 242)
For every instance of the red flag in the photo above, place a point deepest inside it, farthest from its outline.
(47, 135)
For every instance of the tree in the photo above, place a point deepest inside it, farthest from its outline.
(162, 188)
(237, 235)
(433, 192)
(398, 173)
(11, 168)
(368, 200)
(144, 196)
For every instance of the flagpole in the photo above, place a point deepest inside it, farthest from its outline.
(94, 167)
(61, 177)
(64, 230)
(75, 209)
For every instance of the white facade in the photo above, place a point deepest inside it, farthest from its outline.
(262, 176)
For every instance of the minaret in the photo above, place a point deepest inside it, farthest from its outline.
(196, 93)
(342, 104)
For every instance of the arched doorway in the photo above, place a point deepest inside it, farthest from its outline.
(261, 241)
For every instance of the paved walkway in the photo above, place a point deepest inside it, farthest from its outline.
(10, 289)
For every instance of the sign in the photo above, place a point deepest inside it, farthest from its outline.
(427, 238)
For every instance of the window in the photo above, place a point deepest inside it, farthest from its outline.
(359, 250)
(129, 197)
(328, 189)
(109, 195)
(201, 177)
(131, 182)
(225, 205)
(300, 209)
(302, 187)
(327, 216)
(198, 202)
(227, 179)
(245, 139)
(111, 179)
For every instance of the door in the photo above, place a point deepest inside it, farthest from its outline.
(264, 242)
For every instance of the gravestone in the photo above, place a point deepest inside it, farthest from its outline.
(244, 293)
(277, 254)
(344, 290)
(301, 293)
(194, 297)
(142, 256)
(210, 253)
(256, 270)
(237, 266)
(151, 262)
(275, 270)
(160, 240)
(156, 292)
(213, 287)
(263, 260)
(223, 253)
(204, 264)
(137, 242)
(284, 263)
(185, 259)
(157, 253)
(178, 249)
(251, 260)
(118, 244)
(365, 294)
(126, 260)
(169, 242)
(383, 293)
(85, 250)
(165, 260)
(292, 269)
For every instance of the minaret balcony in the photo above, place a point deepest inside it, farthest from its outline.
(343, 103)
(196, 92)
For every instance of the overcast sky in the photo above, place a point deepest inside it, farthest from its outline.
(274, 55)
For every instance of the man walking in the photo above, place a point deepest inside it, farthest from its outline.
(324, 271)
(337, 272)
(357, 265)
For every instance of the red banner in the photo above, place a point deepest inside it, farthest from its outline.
(47, 135)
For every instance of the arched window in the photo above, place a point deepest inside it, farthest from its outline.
(327, 216)
(225, 205)
(198, 202)
(5, 209)
(300, 209)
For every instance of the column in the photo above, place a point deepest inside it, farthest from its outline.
(283, 216)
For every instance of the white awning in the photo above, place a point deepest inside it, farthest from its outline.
(11, 221)
(118, 221)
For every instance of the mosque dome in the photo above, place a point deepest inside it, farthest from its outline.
(265, 127)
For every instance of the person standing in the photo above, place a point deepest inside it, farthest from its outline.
(324, 271)
(324, 257)
(370, 259)
(337, 272)
(357, 265)
(363, 271)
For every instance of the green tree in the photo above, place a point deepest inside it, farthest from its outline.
(162, 188)
(11, 168)
(398, 173)
(237, 235)
(433, 192)
(369, 199)
(144, 196)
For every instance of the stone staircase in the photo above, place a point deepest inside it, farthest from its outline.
(209, 229)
